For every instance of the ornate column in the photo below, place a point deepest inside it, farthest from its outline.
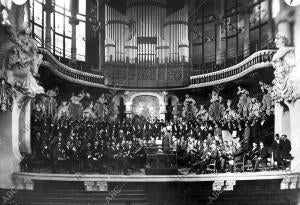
(74, 22)
(287, 81)
(48, 8)
(295, 106)
(219, 13)
(9, 144)
(17, 87)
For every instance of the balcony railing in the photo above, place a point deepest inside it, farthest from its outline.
(258, 60)
(146, 76)
(69, 73)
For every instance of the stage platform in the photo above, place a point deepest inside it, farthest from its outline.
(192, 189)
(215, 177)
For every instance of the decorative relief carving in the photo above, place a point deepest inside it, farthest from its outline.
(218, 185)
(24, 183)
(290, 182)
(286, 84)
(224, 185)
(89, 185)
(6, 96)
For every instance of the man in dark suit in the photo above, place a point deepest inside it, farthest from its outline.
(237, 154)
(275, 148)
(252, 154)
(262, 157)
(285, 147)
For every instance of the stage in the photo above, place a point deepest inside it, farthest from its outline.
(25, 180)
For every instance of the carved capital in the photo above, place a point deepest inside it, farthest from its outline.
(218, 185)
(24, 184)
(222, 185)
(229, 185)
(289, 182)
(102, 186)
(89, 185)
(28, 184)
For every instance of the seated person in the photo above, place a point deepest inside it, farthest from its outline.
(262, 157)
(252, 154)
(237, 155)
(210, 154)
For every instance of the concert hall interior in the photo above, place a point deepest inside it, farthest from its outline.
(150, 102)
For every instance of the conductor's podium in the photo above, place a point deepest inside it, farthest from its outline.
(161, 161)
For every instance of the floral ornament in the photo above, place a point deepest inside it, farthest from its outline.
(6, 96)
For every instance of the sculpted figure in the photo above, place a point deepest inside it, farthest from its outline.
(51, 104)
(244, 101)
(76, 106)
(214, 110)
(230, 114)
(267, 103)
(254, 108)
(63, 110)
(189, 108)
(23, 64)
(286, 84)
(88, 112)
(203, 114)
(100, 107)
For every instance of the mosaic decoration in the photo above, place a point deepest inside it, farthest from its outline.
(146, 106)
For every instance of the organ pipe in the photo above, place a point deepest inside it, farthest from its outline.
(145, 33)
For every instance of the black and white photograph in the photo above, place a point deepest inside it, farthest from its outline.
(149, 102)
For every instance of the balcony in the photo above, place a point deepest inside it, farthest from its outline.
(147, 75)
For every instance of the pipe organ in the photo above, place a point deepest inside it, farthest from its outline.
(146, 34)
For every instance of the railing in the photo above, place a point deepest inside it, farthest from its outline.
(69, 73)
(257, 60)
(213, 64)
(152, 75)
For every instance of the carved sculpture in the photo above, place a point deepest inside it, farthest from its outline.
(214, 110)
(229, 113)
(6, 94)
(254, 110)
(100, 107)
(23, 64)
(63, 110)
(76, 106)
(88, 112)
(51, 103)
(267, 105)
(244, 101)
(202, 114)
(20, 60)
(189, 108)
(286, 84)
